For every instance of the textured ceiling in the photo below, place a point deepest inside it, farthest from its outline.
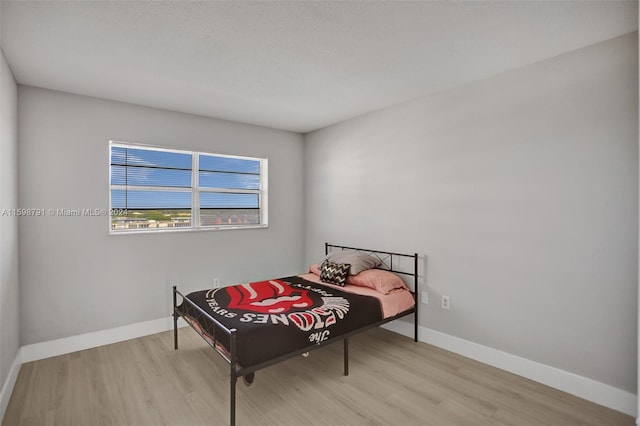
(297, 65)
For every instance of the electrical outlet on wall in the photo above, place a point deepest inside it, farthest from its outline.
(424, 297)
(446, 302)
(216, 283)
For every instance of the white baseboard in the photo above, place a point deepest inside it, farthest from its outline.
(7, 387)
(67, 345)
(591, 390)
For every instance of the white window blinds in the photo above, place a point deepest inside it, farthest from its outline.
(157, 189)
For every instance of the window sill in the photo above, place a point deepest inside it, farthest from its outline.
(174, 230)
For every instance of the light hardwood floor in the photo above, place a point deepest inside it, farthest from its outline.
(392, 381)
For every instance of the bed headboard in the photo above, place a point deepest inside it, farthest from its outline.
(399, 263)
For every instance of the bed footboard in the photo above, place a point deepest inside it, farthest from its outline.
(230, 357)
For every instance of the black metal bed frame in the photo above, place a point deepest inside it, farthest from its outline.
(247, 373)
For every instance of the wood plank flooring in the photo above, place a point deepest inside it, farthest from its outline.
(392, 381)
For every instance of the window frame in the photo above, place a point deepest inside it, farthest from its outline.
(195, 190)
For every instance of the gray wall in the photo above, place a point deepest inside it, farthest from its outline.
(75, 277)
(9, 285)
(9, 303)
(521, 192)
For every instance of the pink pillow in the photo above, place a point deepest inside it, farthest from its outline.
(383, 281)
(314, 269)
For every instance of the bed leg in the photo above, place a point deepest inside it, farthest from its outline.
(233, 378)
(232, 401)
(175, 332)
(346, 356)
(175, 320)
(415, 319)
(415, 289)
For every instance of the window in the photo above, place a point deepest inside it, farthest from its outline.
(157, 189)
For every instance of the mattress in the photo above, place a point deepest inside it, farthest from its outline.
(276, 317)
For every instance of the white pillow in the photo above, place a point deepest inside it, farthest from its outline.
(359, 261)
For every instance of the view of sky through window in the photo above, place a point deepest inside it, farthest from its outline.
(156, 185)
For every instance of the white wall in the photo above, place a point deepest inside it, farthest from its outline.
(75, 277)
(521, 193)
(9, 303)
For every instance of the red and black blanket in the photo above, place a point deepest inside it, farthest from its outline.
(279, 316)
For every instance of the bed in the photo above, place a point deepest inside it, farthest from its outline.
(259, 324)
